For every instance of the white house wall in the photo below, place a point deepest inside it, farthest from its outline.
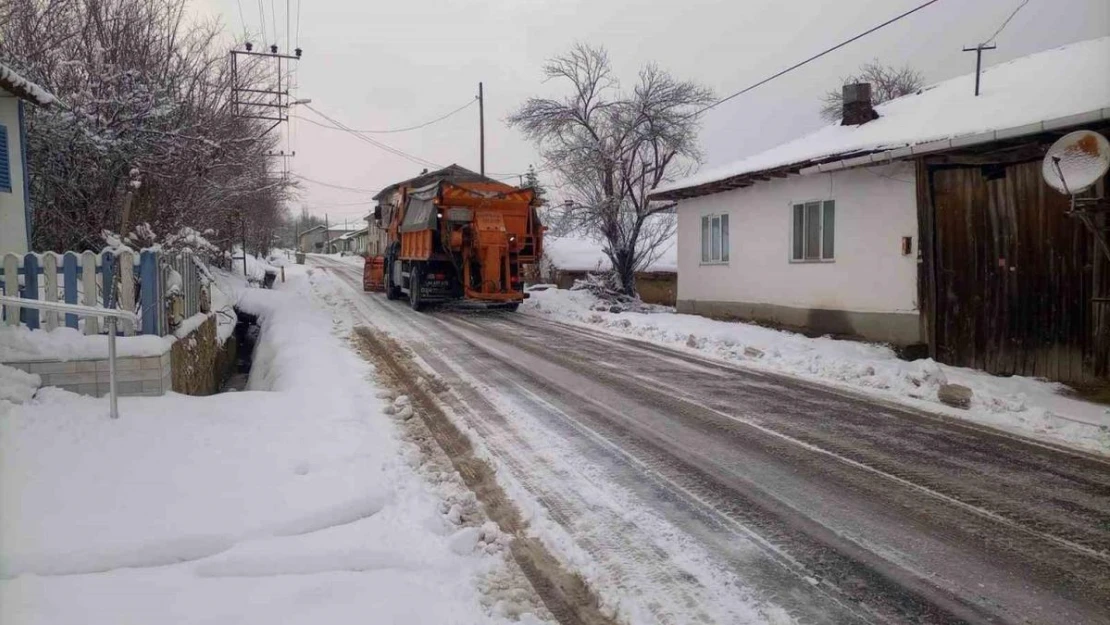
(868, 290)
(13, 215)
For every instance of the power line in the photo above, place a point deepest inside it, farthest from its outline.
(1007, 22)
(812, 58)
(416, 127)
(298, 39)
(262, 19)
(378, 144)
(388, 148)
(242, 17)
(336, 186)
(273, 18)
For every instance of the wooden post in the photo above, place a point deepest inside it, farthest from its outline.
(50, 288)
(88, 284)
(148, 275)
(127, 289)
(69, 285)
(481, 131)
(31, 287)
(11, 287)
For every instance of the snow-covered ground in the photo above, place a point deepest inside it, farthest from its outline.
(296, 501)
(1023, 405)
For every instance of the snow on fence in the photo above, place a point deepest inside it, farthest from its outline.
(145, 281)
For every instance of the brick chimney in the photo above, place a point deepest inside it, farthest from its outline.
(857, 105)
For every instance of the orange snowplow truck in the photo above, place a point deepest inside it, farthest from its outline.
(454, 235)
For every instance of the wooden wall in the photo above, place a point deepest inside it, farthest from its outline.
(1008, 279)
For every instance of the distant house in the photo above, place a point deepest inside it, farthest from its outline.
(319, 240)
(569, 258)
(15, 204)
(358, 241)
(922, 222)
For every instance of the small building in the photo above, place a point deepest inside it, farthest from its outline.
(923, 221)
(569, 258)
(319, 239)
(15, 203)
(358, 241)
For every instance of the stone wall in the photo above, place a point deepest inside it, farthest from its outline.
(200, 363)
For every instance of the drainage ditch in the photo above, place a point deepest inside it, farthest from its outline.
(246, 338)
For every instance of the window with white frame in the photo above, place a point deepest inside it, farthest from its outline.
(714, 238)
(813, 234)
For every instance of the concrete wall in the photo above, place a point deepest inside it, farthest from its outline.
(149, 375)
(195, 365)
(869, 290)
(13, 222)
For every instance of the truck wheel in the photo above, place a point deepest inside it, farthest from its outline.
(392, 291)
(414, 288)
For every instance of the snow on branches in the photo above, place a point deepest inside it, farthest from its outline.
(138, 90)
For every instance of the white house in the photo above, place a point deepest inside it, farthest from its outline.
(824, 233)
(15, 206)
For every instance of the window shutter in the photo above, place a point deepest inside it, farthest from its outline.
(828, 230)
(5, 163)
(799, 232)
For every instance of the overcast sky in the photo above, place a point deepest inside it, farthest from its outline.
(380, 65)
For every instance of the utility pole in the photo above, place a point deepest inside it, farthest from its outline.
(481, 131)
(243, 223)
(978, 50)
(327, 234)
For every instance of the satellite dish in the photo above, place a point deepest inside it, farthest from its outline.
(1076, 161)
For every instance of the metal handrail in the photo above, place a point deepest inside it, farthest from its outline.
(113, 314)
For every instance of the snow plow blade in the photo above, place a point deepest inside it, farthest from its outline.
(373, 274)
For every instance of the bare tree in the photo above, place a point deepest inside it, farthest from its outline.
(887, 82)
(611, 148)
(142, 98)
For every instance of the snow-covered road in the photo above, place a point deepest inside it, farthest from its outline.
(685, 490)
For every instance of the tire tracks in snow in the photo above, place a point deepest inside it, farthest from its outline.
(565, 594)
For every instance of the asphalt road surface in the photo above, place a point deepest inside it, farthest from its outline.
(834, 507)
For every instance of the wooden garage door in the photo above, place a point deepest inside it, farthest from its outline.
(1014, 276)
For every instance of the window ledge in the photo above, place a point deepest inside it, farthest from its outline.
(812, 261)
(716, 263)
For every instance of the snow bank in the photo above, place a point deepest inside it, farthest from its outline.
(1027, 406)
(20, 344)
(291, 502)
(16, 387)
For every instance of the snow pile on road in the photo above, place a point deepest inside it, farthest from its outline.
(291, 502)
(1031, 407)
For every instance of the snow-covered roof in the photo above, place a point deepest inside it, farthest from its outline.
(352, 234)
(23, 88)
(580, 253)
(1064, 82)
